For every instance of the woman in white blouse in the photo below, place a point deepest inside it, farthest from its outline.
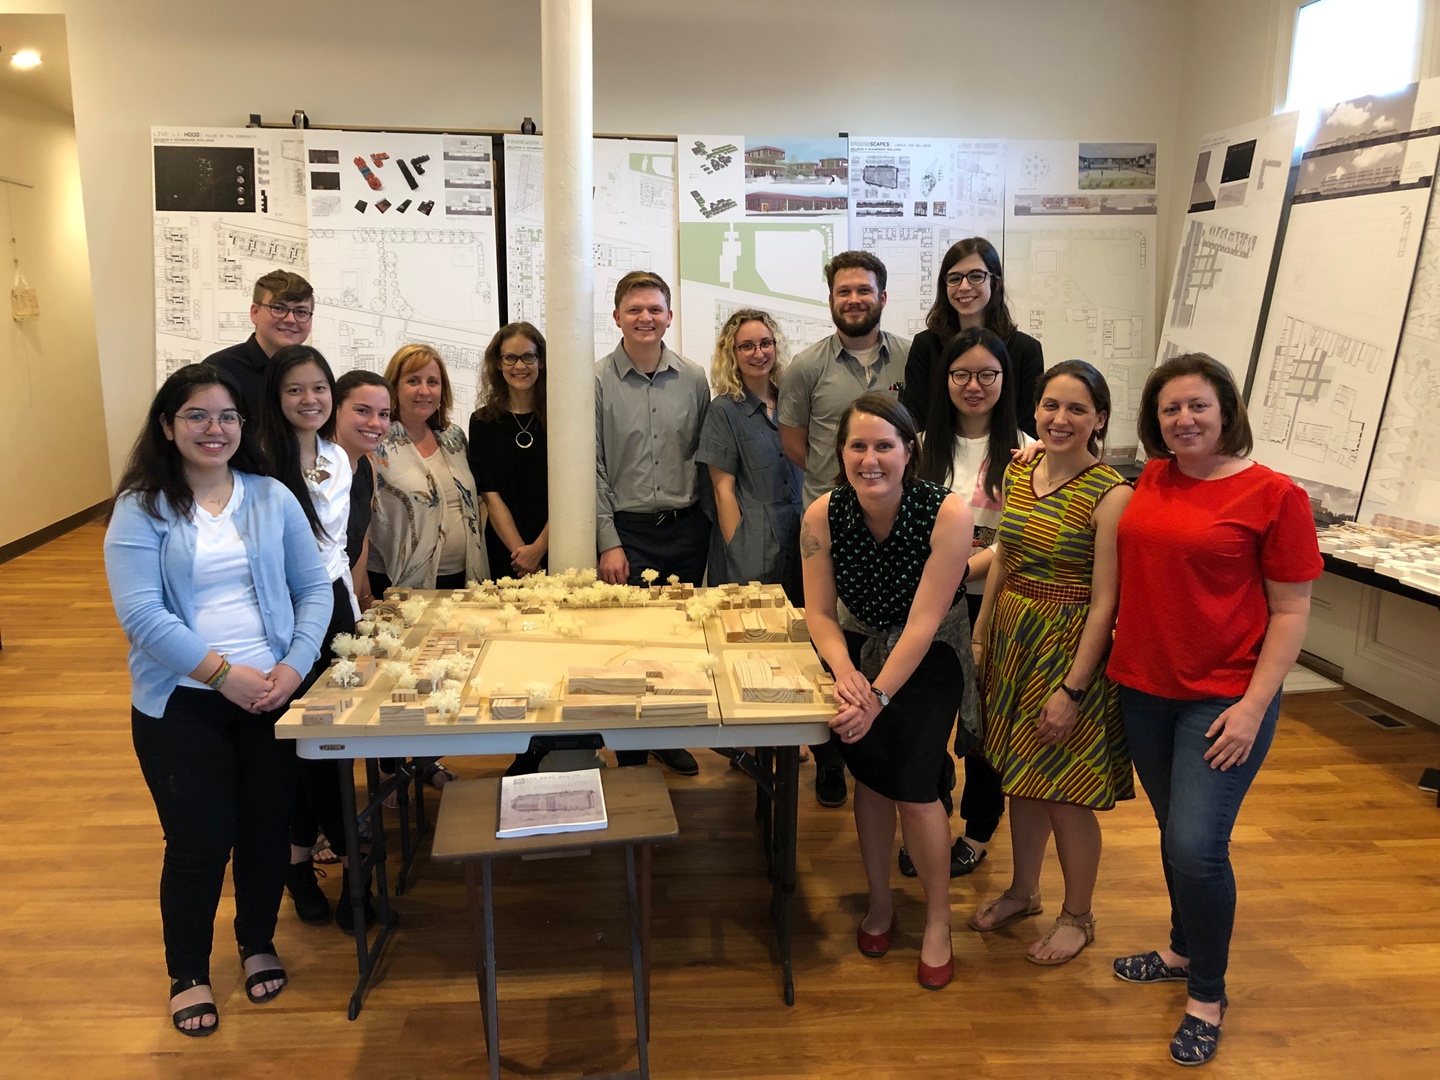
(427, 531)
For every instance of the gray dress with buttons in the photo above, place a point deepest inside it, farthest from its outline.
(740, 439)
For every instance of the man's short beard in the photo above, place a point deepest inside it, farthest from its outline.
(871, 322)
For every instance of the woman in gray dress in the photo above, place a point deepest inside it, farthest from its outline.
(757, 489)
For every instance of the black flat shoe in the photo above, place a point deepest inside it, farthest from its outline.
(963, 860)
(311, 906)
(262, 977)
(679, 761)
(191, 1012)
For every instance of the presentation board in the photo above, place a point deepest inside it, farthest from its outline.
(759, 219)
(1080, 262)
(402, 250)
(1341, 288)
(229, 205)
(1227, 243)
(910, 199)
(634, 223)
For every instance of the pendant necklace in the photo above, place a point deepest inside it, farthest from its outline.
(524, 432)
(320, 473)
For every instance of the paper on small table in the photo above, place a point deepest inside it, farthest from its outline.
(551, 803)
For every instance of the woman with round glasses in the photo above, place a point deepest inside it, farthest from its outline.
(966, 448)
(426, 532)
(757, 488)
(219, 587)
(970, 293)
(507, 451)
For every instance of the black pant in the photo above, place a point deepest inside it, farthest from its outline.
(317, 794)
(982, 800)
(677, 547)
(221, 781)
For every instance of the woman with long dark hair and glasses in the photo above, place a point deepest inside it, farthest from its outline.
(219, 587)
(970, 293)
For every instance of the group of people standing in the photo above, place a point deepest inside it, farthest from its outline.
(1041, 616)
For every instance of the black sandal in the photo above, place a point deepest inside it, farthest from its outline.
(260, 977)
(191, 1012)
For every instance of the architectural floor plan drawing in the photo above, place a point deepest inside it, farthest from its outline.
(229, 206)
(402, 250)
(1330, 342)
(634, 222)
(910, 199)
(1402, 490)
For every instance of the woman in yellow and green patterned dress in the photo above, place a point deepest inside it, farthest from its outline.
(1052, 728)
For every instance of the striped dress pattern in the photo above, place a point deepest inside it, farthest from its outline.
(1049, 547)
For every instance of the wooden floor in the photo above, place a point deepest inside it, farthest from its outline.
(1335, 970)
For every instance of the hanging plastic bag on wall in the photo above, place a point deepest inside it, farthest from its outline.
(24, 303)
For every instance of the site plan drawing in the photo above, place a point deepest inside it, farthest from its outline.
(634, 223)
(402, 250)
(910, 199)
(1344, 278)
(732, 257)
(1080, 264)
(229, 207)
(1228, 240)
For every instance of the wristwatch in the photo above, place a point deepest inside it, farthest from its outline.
(884, 697)
(1076, 696)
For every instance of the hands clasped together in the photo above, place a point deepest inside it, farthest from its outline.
(856, 707)
(256, 691)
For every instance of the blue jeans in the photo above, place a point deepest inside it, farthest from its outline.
(1196, 807)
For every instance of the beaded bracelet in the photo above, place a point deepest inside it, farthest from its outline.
(218, 679)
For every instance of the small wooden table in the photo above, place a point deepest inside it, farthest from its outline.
(639, 812)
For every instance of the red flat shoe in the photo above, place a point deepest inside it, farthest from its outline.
(936, 978)
(876, 945)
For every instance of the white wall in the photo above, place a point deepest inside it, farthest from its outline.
(1024, 68)
(52, 420)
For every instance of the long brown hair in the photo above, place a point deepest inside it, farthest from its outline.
(494, 390)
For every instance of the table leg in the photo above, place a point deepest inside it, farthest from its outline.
(787, 792)
(366, 955)
(410, 843)
(482, 927)
(765, 808)
(639, 967)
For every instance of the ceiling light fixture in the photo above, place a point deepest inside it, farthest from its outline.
(25, 58)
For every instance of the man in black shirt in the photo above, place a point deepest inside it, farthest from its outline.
(283, 306)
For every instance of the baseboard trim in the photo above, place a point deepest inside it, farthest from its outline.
(1321, 666)
(43, 536)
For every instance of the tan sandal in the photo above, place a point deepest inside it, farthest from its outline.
(1085, 922)
(1032, 907)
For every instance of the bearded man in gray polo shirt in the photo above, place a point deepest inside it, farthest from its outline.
(820, 382)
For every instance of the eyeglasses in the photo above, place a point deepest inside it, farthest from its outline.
(748, 347)
(974, 277)
(302, 314)
(529, 359)
(987, 377)
(198, 420)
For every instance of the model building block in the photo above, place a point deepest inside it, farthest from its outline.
(754, 625)
(411, 712)
(678, 710)
(796, 628)
(508, 706)
(604, 680)
(598, 708)
(758, 681)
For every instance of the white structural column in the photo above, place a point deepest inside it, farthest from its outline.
(568, 126)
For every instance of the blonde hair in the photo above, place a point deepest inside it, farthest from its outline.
(725, 370)
(409, 358)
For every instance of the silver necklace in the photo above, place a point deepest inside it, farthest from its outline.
(524, 432)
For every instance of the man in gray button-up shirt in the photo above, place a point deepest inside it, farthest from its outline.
(650, 405)
(823, 379)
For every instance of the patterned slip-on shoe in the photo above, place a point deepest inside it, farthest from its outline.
(1148, 968)
(1196, 1041)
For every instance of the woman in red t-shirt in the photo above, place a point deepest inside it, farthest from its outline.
(1216, 554)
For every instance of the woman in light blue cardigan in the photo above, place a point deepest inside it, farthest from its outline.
(220, 590)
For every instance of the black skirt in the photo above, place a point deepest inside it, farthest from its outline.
(903, 754)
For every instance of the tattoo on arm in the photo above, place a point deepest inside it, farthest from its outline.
(809, 545)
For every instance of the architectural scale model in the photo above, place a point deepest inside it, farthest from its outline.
(1412, 560)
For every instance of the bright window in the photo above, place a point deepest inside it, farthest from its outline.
(1349, 48)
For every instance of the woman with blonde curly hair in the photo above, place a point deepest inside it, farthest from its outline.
(757, 489)
(426, 533)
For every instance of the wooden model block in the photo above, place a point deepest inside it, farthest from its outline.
(796, 628)
(677, 710)
(598, 708)
(825, 684)
(508, 706)
(681, 684)
(412, 713)
(401, 694)
(758, 681)
(754, 626)
(604, 680)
